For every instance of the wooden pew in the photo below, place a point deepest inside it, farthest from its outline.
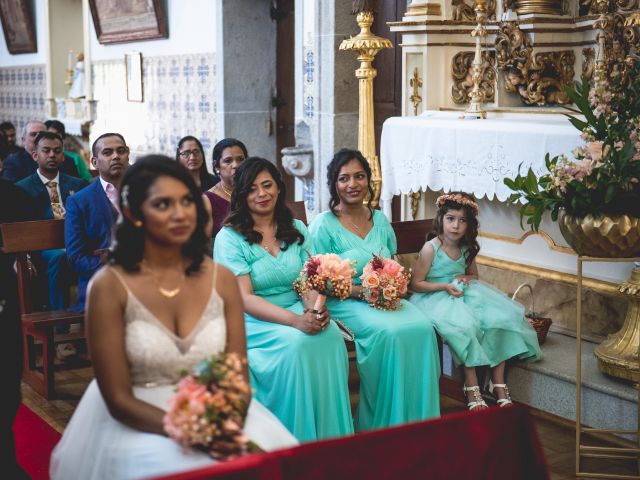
(38, 327)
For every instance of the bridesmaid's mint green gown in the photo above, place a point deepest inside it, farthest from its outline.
(301, 378)
(396, 351)
(484, 326)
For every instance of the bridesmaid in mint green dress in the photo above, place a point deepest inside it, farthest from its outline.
(297, 359)
(396, 351)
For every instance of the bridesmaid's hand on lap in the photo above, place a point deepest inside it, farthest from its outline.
(312, 322)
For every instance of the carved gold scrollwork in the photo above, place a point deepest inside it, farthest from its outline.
(539, 78)
(462, 74)
(598, 7)
(464, 12)
(415, 203)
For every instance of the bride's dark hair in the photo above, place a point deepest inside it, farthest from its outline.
(128, 240)
(240, 218)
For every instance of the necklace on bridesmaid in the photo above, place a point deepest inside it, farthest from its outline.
(163, 291)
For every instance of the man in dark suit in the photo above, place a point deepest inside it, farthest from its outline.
(13, 202)
(92, 212)
(20, 165)
(49, 189)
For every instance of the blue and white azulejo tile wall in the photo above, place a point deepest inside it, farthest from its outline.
(22, 94)
(179, 99)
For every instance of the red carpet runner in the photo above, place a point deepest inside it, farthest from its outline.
(35, 440)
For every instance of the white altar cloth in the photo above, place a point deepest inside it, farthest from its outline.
(440, 151)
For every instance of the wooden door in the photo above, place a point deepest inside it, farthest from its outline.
(284, 99)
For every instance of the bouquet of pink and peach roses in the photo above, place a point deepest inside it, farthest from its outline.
(210, 406)
(328, 274)
(384, 282)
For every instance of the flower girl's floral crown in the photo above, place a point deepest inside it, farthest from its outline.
(459, 199)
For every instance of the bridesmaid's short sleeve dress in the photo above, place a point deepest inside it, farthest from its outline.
(301, 378)
(396, 351)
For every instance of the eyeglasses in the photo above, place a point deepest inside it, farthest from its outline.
(187, 153)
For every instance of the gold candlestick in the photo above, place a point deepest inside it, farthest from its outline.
(367, 45)
(69, 79)
(475, 109)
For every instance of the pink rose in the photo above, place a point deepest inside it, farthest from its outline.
(391, 267)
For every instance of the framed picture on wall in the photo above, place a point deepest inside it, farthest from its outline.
(133, 69)
(17, 25)
(120, 21)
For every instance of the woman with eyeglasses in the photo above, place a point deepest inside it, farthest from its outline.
(191, 154)
(228, 154)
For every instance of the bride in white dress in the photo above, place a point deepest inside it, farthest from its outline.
(160, 307)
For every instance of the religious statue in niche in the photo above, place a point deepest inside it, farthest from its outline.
(462, 73)
(77, 82)
(463, 11)
(539, 78)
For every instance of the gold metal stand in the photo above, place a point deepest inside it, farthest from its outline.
(367, 45)
(587, 450)
(477, 95)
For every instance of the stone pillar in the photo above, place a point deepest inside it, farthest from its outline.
(336, 112)
(246, 73)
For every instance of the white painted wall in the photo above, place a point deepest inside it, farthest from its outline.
(40, 57)
(192, 29)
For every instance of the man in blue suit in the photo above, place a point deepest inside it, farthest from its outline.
(49, 190)
(92, 212)
(20, 165)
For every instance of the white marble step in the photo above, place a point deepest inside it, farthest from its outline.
(549, 385)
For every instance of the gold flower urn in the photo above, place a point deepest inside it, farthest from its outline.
(618, 354)
(616, 236)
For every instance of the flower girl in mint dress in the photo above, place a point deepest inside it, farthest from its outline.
(481, 325)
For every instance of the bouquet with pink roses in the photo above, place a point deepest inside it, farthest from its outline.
(210, 406)
(328, 274)
(384, 282)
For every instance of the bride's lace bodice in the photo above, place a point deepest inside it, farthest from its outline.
(156, 355)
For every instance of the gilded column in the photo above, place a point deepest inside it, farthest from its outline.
(367, 45)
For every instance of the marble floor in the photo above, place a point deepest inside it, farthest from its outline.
(556, 435)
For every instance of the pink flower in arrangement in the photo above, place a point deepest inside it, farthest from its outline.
(594, 150)
(327, 274)
(383, 283)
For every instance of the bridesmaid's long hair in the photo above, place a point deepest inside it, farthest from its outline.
(338, 161)
(240, 218)
(128, 241)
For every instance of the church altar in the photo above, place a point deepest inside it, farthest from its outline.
(439, 151)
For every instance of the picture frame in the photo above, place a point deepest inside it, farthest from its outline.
(121, 21)
(17, 25)
(133, 71)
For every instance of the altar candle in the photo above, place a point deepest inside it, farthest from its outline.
(69, 59)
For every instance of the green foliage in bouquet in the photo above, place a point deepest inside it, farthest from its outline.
(603, 177)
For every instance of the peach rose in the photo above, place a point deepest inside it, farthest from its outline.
(391, 267)
(390, 293)
(370, 281)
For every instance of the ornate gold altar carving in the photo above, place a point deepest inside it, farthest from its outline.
(476, 95)
(616, 236)
(367, 45)
(551, 7)
(618, 354)
(461, 11)
(604, 6)
(415, 202)
(462, 74)
(520, 240)
(416, 84)
(538, 78)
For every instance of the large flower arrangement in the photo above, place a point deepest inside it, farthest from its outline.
(384, 283)
(603, 178)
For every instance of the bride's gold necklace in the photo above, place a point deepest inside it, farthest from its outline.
(163, 291)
